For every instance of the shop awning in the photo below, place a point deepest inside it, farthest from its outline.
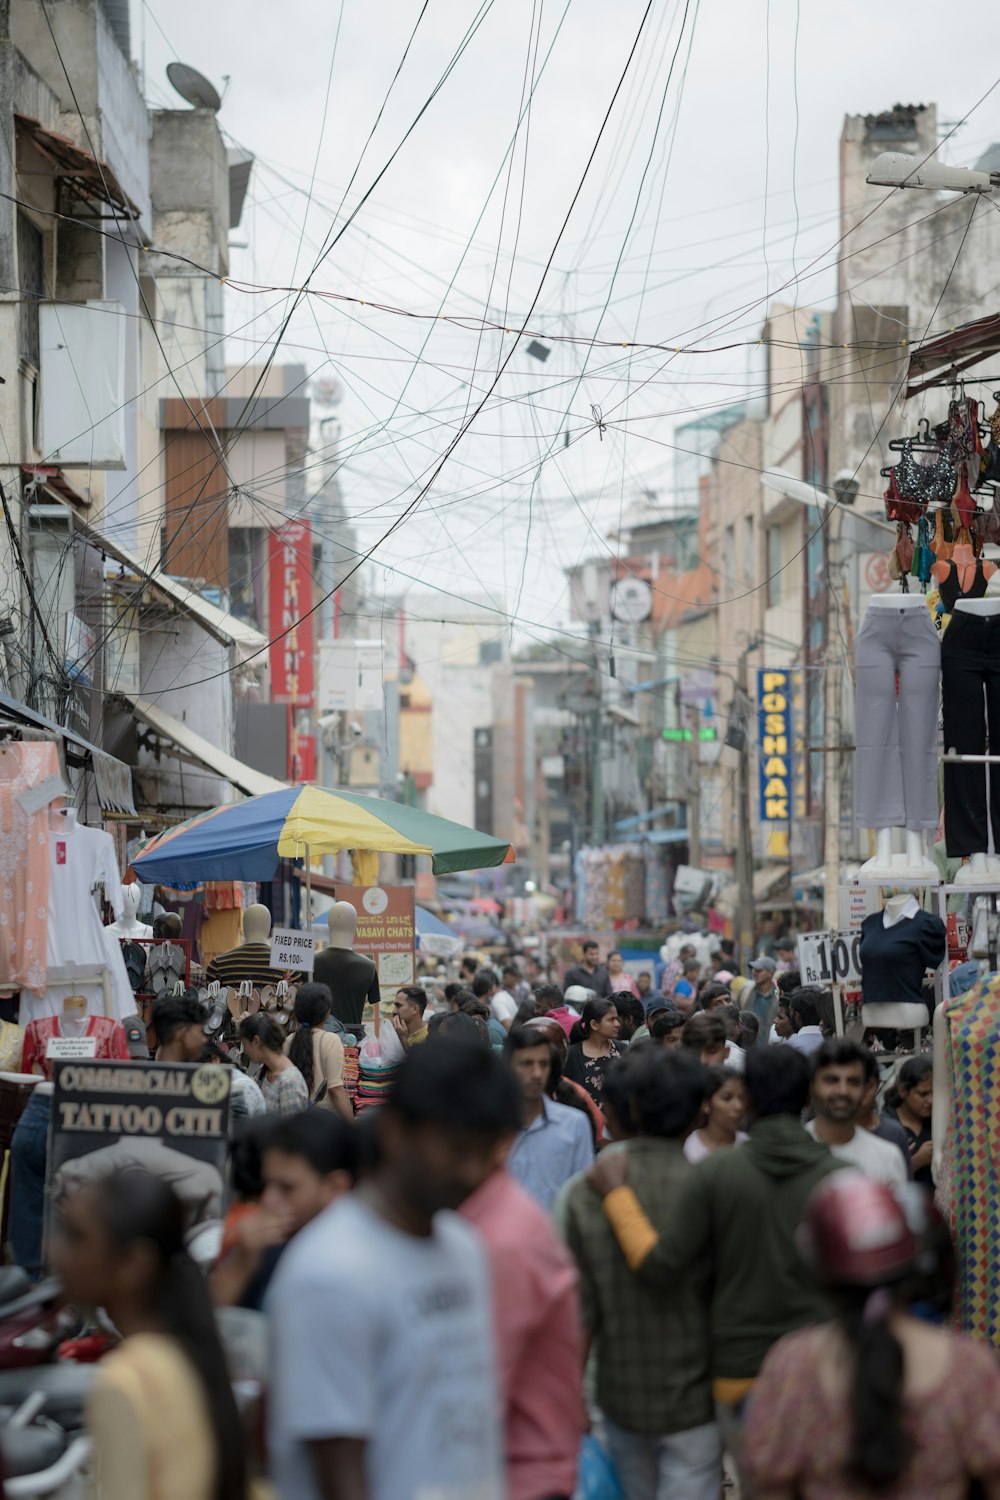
(221, 626)
(90, 178)
(113, 777)
(938, 361)
(187, 745)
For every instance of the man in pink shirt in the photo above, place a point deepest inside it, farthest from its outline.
(538, 1337)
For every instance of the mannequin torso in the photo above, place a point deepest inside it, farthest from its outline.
(963, 572)
(351, 978)
(897, 601)
(983, 607)
(252, 960)
(128, 926)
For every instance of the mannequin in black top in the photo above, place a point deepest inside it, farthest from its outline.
(352, 978)
(898, 946)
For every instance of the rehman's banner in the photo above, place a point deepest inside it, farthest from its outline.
(170, 1119)
(774, 744)
(290, 598)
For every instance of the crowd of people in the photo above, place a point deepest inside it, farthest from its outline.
(681, 1220)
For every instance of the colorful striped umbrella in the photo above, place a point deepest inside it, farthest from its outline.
(245, 840)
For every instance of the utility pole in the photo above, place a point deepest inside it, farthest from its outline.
(832, 739)
(694, 790)
(597, 827)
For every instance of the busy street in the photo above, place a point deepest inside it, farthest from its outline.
(499, 857)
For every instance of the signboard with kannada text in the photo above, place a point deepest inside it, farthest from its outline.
(169, 1119)
(386, 930)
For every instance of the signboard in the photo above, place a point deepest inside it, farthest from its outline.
(831, 958)
(290, 597)
(292, 950)
(170, 1119)
(386, 931)
(301, 757)
(350, 677)
(856, 903)
(774, 705)
(65, 1048)
(121, 647)
(482, 780)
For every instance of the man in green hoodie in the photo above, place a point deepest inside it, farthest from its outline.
(738, 1212)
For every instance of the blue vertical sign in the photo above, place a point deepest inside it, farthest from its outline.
(774, 744)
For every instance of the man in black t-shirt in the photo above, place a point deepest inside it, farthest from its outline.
(590, 974)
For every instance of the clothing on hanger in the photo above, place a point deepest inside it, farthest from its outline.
(24, 861)
(82, 861)
(951, 589)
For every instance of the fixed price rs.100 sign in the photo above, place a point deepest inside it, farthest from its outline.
(831, 958)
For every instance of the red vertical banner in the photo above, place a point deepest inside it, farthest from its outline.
(290, 597)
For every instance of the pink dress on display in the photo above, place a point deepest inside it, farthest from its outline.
(24, 864)
(112, 1044)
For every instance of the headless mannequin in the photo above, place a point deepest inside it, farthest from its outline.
(61, 818)
(256, 924)
(981, 868)
(965, 568)
(130, 926)
(917, 863)
(906, 1016)
(73, 1021)
(352, 978)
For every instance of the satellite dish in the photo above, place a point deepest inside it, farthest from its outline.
(193, 86)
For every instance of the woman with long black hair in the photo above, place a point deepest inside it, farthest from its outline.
(281, 1083)
(318, 1054)
(593, 1046)
(161, 1414)
(911, 1102)
(876, 1401)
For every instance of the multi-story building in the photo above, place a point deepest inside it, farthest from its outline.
(140, 475)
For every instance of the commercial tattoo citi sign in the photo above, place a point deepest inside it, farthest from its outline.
(290, 589)
(774, 701)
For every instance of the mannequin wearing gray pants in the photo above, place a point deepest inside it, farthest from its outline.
(897, 738)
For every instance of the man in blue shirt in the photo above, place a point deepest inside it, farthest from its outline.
(556, 1140)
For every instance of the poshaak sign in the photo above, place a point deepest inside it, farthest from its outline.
(774, 702)
(386, 930)
(169, 1119)
(290, 597)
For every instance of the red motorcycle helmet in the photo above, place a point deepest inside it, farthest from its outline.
(855, 1233)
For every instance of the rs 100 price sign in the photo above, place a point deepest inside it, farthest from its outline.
(831, 958)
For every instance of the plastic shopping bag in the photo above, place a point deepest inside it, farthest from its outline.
(597, 1477)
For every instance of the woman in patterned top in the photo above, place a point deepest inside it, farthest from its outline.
(593, 1046)
(875, 1402)
(284, 1089)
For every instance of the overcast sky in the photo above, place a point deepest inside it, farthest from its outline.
(705, 193)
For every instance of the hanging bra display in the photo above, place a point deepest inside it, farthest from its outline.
(945, 487)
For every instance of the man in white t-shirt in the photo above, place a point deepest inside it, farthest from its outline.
(503, 1007)
(841, 1071)
(384, 1369)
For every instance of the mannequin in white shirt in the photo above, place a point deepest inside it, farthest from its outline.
(916, 863)
(906, 1016)
(980, 868)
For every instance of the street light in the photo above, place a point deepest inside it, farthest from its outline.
(894, 170)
